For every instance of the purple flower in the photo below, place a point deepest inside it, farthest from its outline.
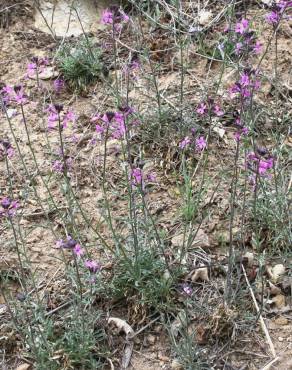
(69, 117)
(53, 116)
(135, 64)
(126, 110)
(238, 47)
(6, 149)
(284, 4)
(78, 251)
(52, 120)
(37, 63)
(69, 243)
(31, 69)
(265, 165)
(99, 129)
(8, 90)
(151, 177)
(58, 108)
(20, 98)
(92, 266)
(257, 84)
(56, 112)
(259, 165)
(125, 17)
(114, 15)
(242, 26)
(202, 108)
(245, 85)
(107, 17)
(244, 80)
(241, 132)
(15, 94)
(95, 118)
(114, 122)
(9, 207)
(234, 89)
(59, 84)
(252, 156)
(58, 166)
(217, 110)
(187, 289)
(133, 67)
(245, 93)
(137, 176)
(201, 143)
(118, 126)
(185, 142)
(10, 152)
(257, 47)
(273, 17)
(6, 203)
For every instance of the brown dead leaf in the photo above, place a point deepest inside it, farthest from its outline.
(23, 367)
(274, 290)
(200, 274)
(249, 256)
(201, 334)
(122, 325)
(176, 365)
(204, 17)
(276, 272)
(279, 300)
(281, 321)
(178, 323)
(287, 285)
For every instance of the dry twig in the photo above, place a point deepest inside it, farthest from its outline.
(262, 322)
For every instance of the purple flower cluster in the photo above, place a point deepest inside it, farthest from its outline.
(138, 178)
(8, 207)
(259, 163)
(210, 107)
(244, 39)
(58, 165)
(56, 112)
(133, 67)
(246, 85)
(59, 85)
(36, 65)
(114, 124)
(277, 12)
(114, 16)
(14, 95)
(6, 149)
(75, 247)
(92, 266)
(198, 143)
(242, 26)
(241, 130)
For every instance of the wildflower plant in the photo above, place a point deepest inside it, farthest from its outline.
(136, 152)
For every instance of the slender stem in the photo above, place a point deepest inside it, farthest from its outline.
(232, 214)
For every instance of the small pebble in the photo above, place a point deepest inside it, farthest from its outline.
(151, 339)
(175, 365)
(163, 358)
